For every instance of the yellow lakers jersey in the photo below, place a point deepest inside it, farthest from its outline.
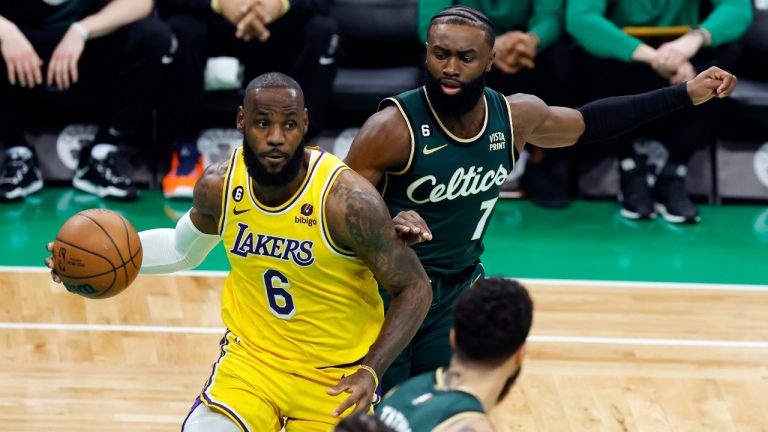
(292, 292)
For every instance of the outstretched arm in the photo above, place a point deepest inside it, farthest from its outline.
(359, 220)
(546, 126)
(168, 250)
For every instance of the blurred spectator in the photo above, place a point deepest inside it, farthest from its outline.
(754, 58)
(296, 37)
(602, 28)
(530, 58)
(105, 47)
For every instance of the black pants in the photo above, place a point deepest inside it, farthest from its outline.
(124, 68)
(298, 46)
(682, 132)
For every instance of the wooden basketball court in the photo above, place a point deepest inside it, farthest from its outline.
(601, 356)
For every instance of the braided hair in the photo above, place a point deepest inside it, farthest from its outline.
(465, 15)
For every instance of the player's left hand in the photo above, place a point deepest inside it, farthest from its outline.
(411, 228)
(62, 68)
(713, 82)
(49, 263)
(361, 388)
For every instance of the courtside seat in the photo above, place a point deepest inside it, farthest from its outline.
(752, 95)
(379, 55)
(58, 123)
(742, 148)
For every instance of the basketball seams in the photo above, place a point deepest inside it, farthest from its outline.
(114, 269)
(117, 249)
(133, 257)
(109, 236)
(82, 238)
(128, 242)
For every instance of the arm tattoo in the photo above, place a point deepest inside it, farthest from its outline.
(370, 231)
(208, 190)
(363, 228)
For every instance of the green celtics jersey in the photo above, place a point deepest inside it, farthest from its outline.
(453, 183)
(422, 404)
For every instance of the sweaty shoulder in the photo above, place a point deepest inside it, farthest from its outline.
(206, 207)
(382, 144)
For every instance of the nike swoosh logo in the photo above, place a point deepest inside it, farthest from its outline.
(326, 60)
(237, 212)
(429, 151)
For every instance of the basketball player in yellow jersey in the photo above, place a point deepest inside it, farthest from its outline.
(306, 335)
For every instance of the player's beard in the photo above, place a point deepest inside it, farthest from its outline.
(509, 383)
(458, 104)
(263, 177)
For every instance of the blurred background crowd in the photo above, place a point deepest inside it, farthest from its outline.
(115, 96)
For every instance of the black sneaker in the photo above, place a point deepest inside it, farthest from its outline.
(103, 178)
(635, 194)
(20, 175)
(672, 200)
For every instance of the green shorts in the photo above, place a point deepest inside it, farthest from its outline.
(430, 348)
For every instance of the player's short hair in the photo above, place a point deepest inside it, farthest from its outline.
(492, 320)
(362, 422)
(274, 80)
(465, 15)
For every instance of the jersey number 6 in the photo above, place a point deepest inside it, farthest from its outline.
(280, 300)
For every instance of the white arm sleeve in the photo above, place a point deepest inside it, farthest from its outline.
(169, 250)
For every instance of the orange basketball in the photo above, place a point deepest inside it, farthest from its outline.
(97, 253)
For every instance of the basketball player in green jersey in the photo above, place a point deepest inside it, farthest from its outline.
(490, 324)
(441, 153)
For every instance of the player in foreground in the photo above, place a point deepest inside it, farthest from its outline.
(490, 324)
(306, 335)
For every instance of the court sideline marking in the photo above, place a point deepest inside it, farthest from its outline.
(709, 343)
(566, 282)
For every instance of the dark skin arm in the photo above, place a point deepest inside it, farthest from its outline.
(206, 204)
(544, 126)
(383, 144)
(359, 220)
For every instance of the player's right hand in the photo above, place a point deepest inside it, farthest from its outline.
(49, 263)
(23, 64)
(361, 387)
(411, 228)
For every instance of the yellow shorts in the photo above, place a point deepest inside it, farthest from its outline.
(259, 392)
